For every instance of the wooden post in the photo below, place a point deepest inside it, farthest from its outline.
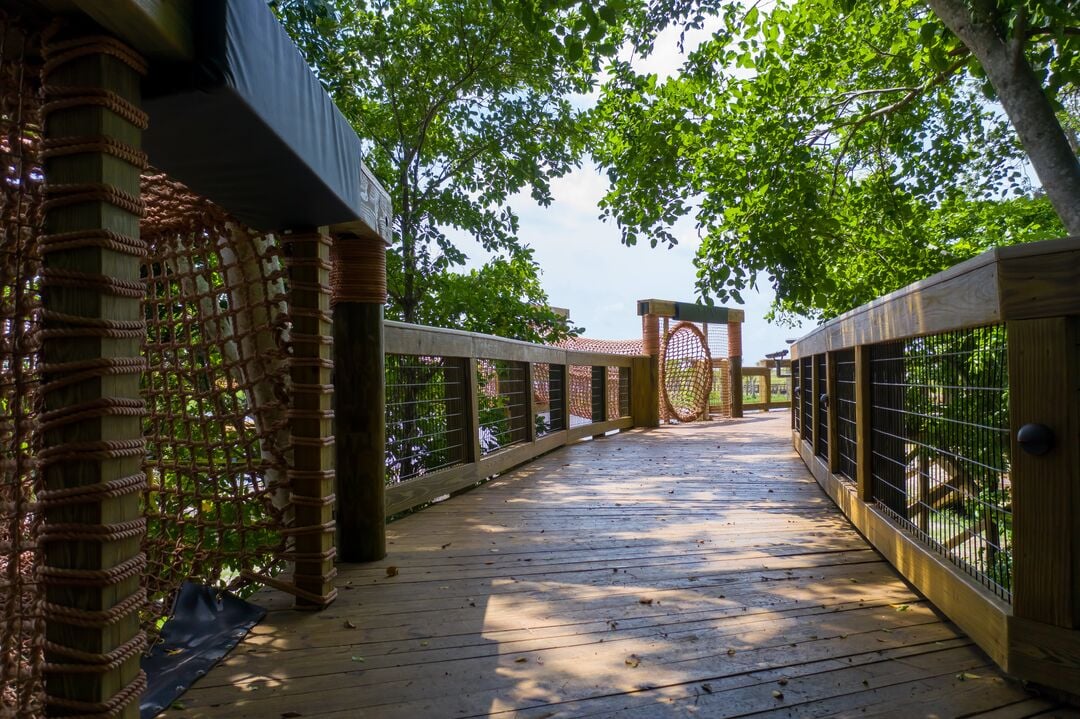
(1044, 385)
(833, 416)
(92, 449)
(599, 396)
(863, 415)
(767, 382)
(735, 367)
(457, 407)
(471, 385)
(311, 417)
(815, 405)
(358, 284)
(564, 398)
(530, 409)
(645, 379)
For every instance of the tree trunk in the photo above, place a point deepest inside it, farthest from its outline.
(1029, 110)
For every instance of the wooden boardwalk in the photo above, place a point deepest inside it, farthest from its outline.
(687, 571)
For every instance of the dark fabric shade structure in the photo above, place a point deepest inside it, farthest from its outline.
(249, 124)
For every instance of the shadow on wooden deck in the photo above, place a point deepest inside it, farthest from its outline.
(695, 570)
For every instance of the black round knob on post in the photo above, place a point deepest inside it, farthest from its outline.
(824, 400)
(1035, 438)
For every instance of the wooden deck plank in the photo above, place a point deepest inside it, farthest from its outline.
(617, 578)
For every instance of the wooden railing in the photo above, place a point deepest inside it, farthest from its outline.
(909, 410)
(477, 399)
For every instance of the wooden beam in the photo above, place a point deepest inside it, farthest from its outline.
(360, 430)
(159, 29)
(90, 381)
(376, 210)
(832, 413)
(863, 454)
(1044, 388)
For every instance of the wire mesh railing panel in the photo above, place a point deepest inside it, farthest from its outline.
(581, 394)
(502, 403)
(425, 415)
(807, 398)
(21, 622)
(821, 396)
(216, 394)
(549, 398)
(845, 413)
(614, 388)
(940, 444)
(624, 392)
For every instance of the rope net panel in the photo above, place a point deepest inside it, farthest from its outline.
(21, 621)
(217, 393)
(686, 372)
(580, 376)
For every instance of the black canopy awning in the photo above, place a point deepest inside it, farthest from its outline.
(248, 125)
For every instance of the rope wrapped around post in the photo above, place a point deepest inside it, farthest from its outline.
(358, 270)
(92, 447)
(311, 543)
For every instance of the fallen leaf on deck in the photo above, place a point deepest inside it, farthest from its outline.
(707, 687)
(358, 659)
(782, 681)
(349, 625)
(446, 545)
(778, 694)
(391, 571)
(645, 600)
(174, 652)
(731, 652)
(520, 660)
(853, 581)
(633, 661)
(900, 607)
(964, 676)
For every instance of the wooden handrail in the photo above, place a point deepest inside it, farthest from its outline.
(407, 339)
(470, 347)
(1030, 281)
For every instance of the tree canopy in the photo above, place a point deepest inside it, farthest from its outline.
(842, 148)
(462, 105)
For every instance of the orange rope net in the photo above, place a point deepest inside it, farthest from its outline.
(217, 394)
(686, 372)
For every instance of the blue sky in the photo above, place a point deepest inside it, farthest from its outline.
(589, 271)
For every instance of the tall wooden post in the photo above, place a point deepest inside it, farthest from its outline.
(311, 363)
(815, 406)
(863, 426)
(359, 293)
(832, 410)
(646, 378)
(599, 396)
(735, 367)
(92, 449)
(530, 403)
(1044, 382)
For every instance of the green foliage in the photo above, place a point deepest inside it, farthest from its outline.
(504, 298)
(841, 148)
(461, 105)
